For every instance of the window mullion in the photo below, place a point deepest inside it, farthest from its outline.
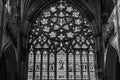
(41, 65)
(74, 53)
(55, 65)
(81, 64)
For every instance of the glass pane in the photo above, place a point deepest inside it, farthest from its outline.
(51, 66)
(38, 61)
(51, 75)
(31, 56)
(91, 56)
(71, 66)
(91, 67)
(92, 76)
(61, 65)
(44, 68)
(85, 65)
(78, 65)
(78, 76)
(30, 66)
(45, 65)
(30, 75)
(37, 67)
(44, 76)
(85, 75)
(37, 75)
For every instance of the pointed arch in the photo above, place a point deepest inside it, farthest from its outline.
(10, 62)
(31, 12)
(61, 30)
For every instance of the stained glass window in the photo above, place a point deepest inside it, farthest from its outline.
(61, 45)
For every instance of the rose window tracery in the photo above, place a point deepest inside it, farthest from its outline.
(61, 45)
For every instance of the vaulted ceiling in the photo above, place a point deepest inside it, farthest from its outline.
(94, 9)
(99, 8)
(106, 9)
(103, 7)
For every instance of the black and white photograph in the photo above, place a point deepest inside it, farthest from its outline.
(59, 39)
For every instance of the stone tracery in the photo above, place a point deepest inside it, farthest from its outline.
(62, 45)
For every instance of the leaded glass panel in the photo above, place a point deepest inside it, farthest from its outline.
(71, 66)
(61, 45)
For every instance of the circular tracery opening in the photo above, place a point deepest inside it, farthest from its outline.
(61, 45)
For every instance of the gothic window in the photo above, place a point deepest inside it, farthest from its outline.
(61, 45)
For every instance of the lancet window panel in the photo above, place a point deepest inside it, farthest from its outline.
(51, 66)
(71, 66)
(61, 45)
